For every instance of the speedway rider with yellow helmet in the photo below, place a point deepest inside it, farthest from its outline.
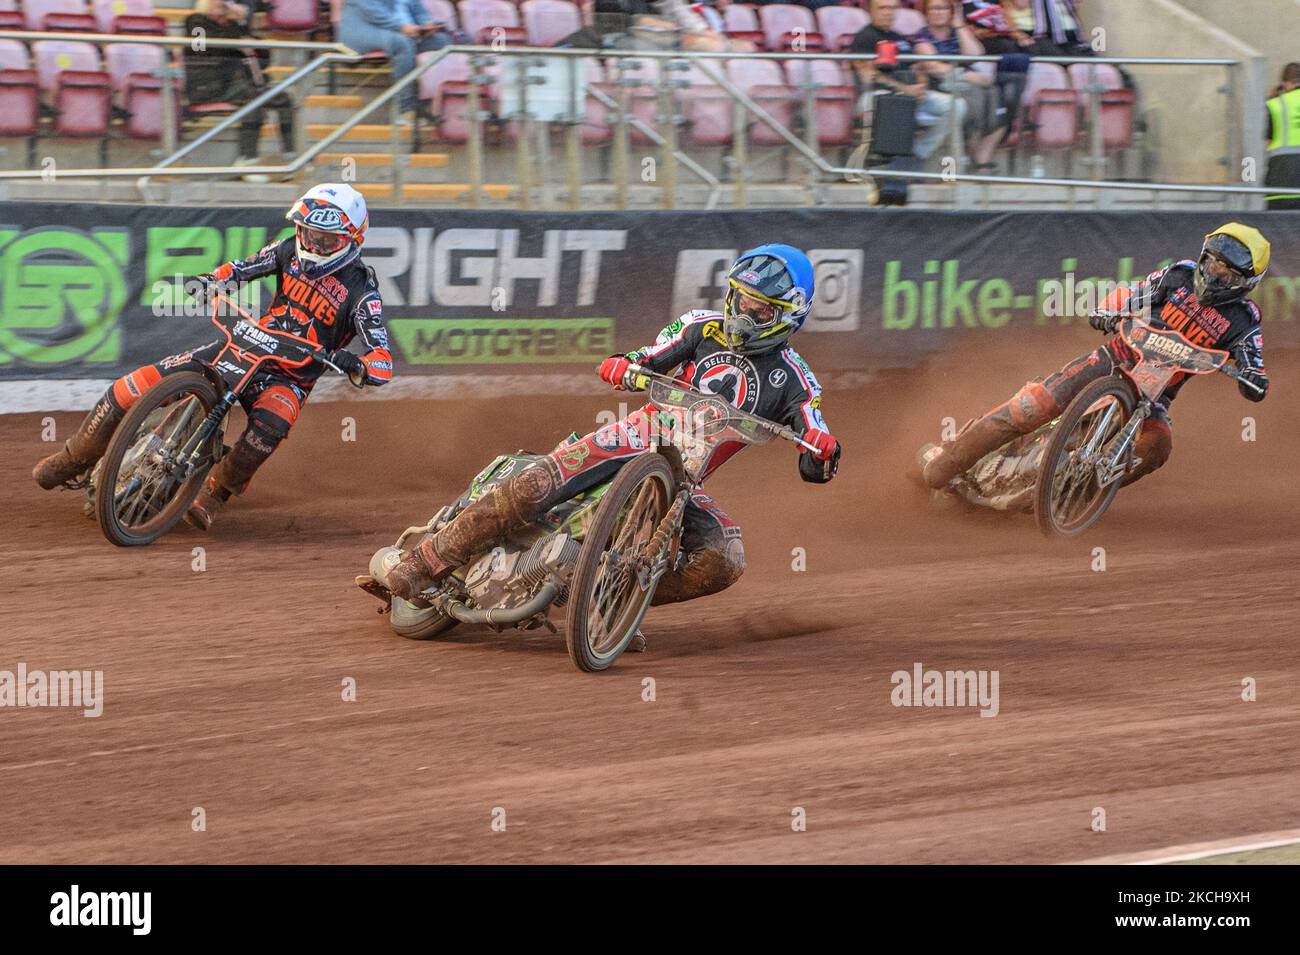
(1205, 300)
(742, 354)
(323, 293)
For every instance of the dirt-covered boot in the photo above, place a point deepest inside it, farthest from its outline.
(80, 452)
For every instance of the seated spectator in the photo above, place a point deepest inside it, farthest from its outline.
(696, 33)
(401, 29)
(231, 75)
(1033, 27)
(946, 31)
(932, 106)
(1056, 22)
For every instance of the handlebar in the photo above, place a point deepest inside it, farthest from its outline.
(300, 346)
(638, 378)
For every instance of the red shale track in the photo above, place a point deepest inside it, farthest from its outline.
(1119, 690)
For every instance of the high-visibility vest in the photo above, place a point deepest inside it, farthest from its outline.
(1284, 110)
(1284, 145)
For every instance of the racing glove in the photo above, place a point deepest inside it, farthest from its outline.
(614, 369)
(349, 363)
(825, 444)
(1104, 321)
(1248, 375)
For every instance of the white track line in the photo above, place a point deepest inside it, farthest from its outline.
(1201, 850)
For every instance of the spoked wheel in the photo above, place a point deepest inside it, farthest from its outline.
(611, 591)
(140, 495)
(1069, 498)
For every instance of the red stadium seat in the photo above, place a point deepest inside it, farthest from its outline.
(82, 101)
(292, 16)
(58, 15)
(765, 84)
(547, 22)
(127, 16)
(123, 59)
(785, 25)
(20, 103)
(740, 21)
(482, 18)
(1118, 102)
(708, 109)
(834, 101)
(839, 25)
(643, 96)
(11, 17)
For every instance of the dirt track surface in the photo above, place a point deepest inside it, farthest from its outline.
(1119, 690)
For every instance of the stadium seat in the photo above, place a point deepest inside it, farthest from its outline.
(834, 98)
(446, 86)
(127, 16)
(20, 104)
(640, 78)
(123, 59)
(1118, 102)
(485, 20)
(58, 15)
(765, 84)
(708, 109)
(839, 25)
(444, 12)
(292, 16)
(11, 18)
(785, 24)
(547, 22)
(596, 127)
(1049, 115)
(54, 56)
(740, 22)
(908, 22)
(82, 101)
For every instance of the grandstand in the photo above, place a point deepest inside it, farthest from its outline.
(774, 119)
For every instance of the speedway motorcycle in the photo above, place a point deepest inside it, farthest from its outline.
(601, 554)
(1069, 470)
(172, 436)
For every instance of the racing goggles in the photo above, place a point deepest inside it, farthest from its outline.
(759, 311)
(321, 243)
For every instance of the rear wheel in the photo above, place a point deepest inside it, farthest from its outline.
(609, 595)
(1068, 498)
(139, 497)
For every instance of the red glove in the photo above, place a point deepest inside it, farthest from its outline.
(823, 442)
(614, 368)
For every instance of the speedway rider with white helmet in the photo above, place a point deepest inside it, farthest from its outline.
(742, 354)
(323, 293)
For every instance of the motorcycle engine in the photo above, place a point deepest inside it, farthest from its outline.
(506, 578)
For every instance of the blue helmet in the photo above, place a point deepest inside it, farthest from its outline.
(769, 294)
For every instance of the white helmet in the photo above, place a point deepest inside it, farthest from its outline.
(330, 223)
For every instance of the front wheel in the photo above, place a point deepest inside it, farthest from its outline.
(1068, 497)
(139, 495)
(610, 592)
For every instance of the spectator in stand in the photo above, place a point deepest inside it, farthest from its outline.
(1057, 22)
(1283, 132)
(947, 32)
(932, 106)
(232, 75)
(1028, 26)
(401, 29)
(696, 33)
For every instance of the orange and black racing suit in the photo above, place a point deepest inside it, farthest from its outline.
(329, 311)
(1171, 298)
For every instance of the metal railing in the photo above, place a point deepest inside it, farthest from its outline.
(664, 138)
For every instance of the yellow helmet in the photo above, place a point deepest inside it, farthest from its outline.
(1245, 252)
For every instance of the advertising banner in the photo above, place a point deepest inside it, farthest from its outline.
(91, 291)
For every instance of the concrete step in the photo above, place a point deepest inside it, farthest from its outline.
(363, 133)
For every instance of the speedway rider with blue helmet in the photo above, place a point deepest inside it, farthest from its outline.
(323, 293)
(742, 354)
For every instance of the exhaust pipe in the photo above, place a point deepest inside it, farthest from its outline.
(386, 558)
